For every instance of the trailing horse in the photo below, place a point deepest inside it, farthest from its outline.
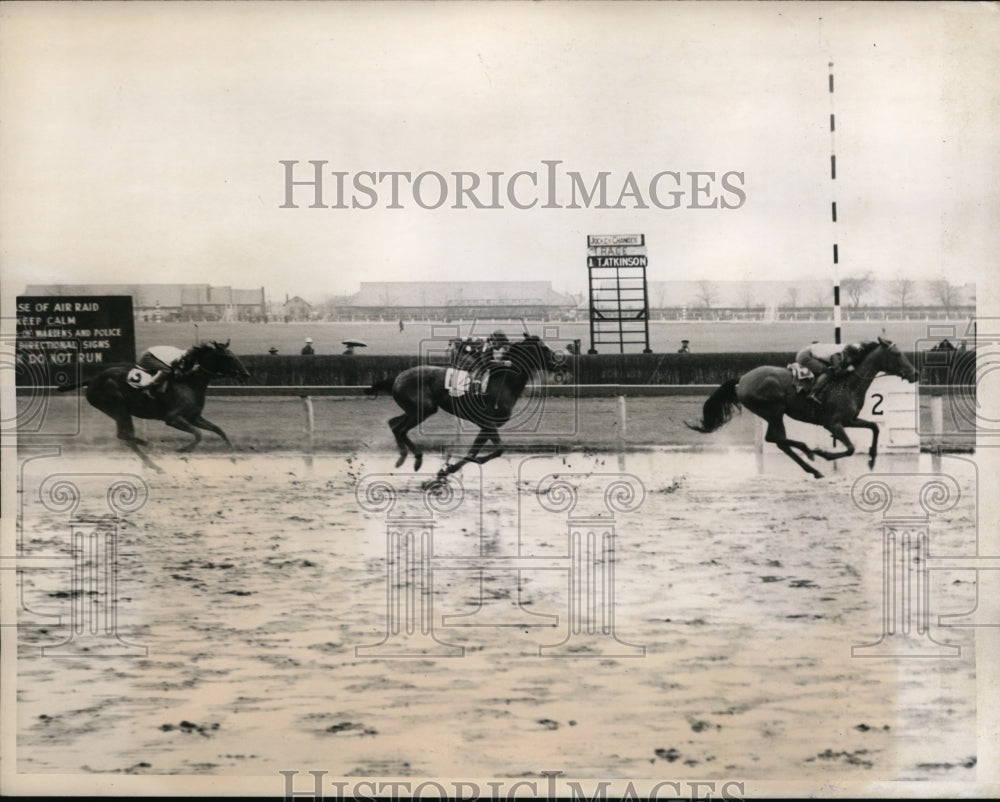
(178, 405)
(420, 392)
(770, 393)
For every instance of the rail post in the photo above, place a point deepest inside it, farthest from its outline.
(310, 422)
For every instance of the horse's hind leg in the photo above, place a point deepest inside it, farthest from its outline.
(776, 434)
(394, 425)
(201, 423)
(126, 433)
(400, 426)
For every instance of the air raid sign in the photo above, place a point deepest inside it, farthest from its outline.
(55, 334)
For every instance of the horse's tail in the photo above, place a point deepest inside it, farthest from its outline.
(65, 388)
(381, 385)
(718, 409)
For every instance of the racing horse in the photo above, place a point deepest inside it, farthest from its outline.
(770, 393)
(179, 404)
(421, 391)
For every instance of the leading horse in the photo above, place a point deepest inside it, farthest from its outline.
(179, 404)
(421, 391)
(770, 393)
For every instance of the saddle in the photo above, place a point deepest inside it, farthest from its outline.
(802, 377)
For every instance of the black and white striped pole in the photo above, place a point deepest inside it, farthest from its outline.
(833, 214)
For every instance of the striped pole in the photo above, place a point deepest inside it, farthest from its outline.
(833, 214)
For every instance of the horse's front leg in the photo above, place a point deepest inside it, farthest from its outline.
(837, 430)
(201, 423)
(185, 426)
(857, 423)
(486, 433)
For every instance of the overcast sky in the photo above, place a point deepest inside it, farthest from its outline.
(143, 142)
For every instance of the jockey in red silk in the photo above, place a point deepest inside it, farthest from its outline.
(826, 360)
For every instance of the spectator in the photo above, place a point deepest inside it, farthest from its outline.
(307, 349)
(401, 324)
(272, 350)
(349, 350)
(684, 347)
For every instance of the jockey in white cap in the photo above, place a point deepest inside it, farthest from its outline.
(158, 364)
(826, 360)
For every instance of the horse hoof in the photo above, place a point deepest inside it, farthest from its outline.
(401, 460)
(418, 460)
(817, 475)
(871, 462)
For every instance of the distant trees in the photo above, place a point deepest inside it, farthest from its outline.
(902, 290)
(792, 296)
(857, 287)
(945, 293)
(707, 294)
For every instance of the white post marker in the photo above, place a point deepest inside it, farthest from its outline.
(310, 422)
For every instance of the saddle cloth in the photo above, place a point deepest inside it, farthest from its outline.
(459, 382)
(802, 376)
(800, 372)
(138, 378)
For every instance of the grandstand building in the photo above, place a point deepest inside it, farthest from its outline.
(457, 300)
(169, 302)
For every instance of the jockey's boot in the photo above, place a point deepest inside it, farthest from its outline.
(820, 382)
(477, 384)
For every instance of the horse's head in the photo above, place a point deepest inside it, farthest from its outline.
(532, 355)
(893, 361)
(215, 359)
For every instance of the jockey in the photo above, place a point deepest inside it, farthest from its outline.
(826, 360)
(160, 363)
(497, 345)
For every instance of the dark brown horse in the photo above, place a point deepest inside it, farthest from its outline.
(179, 404)
(421, 391)
(770, 393)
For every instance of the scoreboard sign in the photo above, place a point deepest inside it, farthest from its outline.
(64, 335)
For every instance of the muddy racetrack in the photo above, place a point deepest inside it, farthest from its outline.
(251, 580)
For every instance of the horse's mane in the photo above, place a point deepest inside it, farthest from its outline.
(868, 347)
(195, 352)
